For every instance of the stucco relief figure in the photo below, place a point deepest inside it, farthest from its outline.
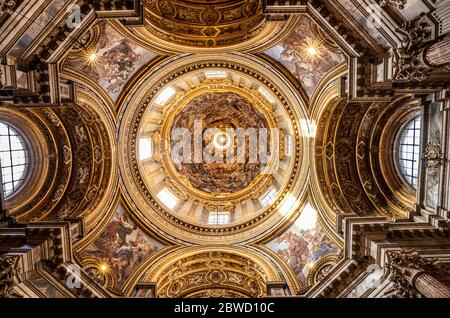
(303, 244)
(123, 246)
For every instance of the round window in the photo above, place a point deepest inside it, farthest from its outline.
(14, 155)
(409, 151)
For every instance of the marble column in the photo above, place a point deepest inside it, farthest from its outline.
(430, 287)
(413, 274)
(439, 53)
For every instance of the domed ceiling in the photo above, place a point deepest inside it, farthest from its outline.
(214, 149)
(218, 115)
(202, 23)
(217, 148)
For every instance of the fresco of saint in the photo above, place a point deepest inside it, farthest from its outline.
(116, 60)
(303, 244)
(307, 67)
(123, 246)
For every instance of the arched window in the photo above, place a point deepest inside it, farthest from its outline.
(14, 159)
(408, 151)
(219, 217)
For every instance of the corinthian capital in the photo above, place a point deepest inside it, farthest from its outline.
(406, 266)
(410, 64)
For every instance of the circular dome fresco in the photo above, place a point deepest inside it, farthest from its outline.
(217, 116)
(215, 151)
(200, 23)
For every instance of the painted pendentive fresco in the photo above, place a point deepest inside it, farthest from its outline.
(307, 66)
(116, 60)
(303, 244)
(123, 246)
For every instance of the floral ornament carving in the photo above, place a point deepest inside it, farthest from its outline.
(433, 156)
(405, 265)
(411, 65)
(9, 273)
(209, 271)
(399, 4)
(7, 6)
(199, 23)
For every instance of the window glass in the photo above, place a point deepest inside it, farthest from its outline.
(14, 159)
(408, 152)
(219, 217)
